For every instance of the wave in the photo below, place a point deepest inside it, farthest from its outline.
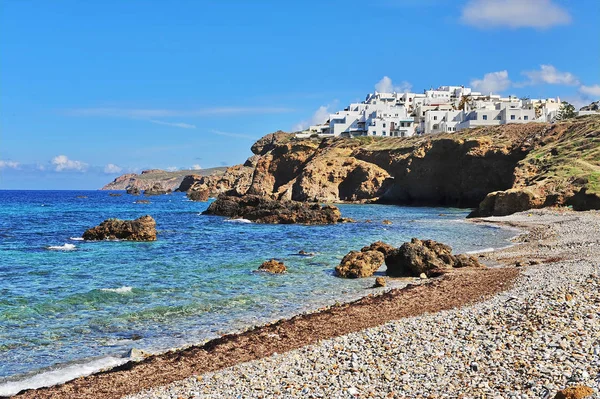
(65, 247)
(60, 375)
(76, 238)
(480, 251)
(240, 220)
(120, 290)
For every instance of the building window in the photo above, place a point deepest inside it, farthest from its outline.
(485, 117)
(435, 118)
(512, 118)
(384, 125)
(374, 133)
(526, 117)
(383, 133)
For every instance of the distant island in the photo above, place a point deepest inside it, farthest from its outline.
(149, 178)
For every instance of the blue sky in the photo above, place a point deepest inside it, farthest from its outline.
(93, 89)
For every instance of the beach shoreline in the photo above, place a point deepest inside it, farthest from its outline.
(455, 290)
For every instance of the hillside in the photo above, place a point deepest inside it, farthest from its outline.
(148, 178)
(498, 170)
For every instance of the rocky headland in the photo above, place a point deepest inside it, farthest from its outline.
(496, 170)
(147, 179)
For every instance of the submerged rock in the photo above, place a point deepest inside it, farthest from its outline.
(359, 264)
(272, 266)
(426, 257)
(264, 210)
(140, 229)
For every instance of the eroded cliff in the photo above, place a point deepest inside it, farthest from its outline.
(497, 170)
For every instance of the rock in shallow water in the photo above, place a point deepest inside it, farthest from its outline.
(272, 266)
(359, 264)
(264, 210)
(140, 229)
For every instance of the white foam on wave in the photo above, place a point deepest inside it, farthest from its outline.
(65, 247)
(76, 238)
(480, 251)
(59, 375)
(120, 290)
(240, 220)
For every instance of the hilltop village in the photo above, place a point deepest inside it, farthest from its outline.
(445, 109)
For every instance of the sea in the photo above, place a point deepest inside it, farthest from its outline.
(70, 307)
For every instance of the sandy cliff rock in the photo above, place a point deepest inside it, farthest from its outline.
(148, 178)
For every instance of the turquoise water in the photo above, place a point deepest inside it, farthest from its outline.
(194, 283)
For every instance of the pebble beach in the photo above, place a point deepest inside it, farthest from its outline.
(530, 341)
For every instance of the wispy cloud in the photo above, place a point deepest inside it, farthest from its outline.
(228, 134)
(548, 74)
(9, 164)
(591, 91)
(196, 167)
(174, 124)
(111, 169)
(492, 82)
(142, 113)
(385, 85)
(63, 163)
(514, 14)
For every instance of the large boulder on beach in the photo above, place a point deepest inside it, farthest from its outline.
(359, 264)
(261, 209)
(140, 229)
(428, 257)
(575, 392)
(272, 266)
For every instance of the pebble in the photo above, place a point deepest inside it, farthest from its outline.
(529, 342)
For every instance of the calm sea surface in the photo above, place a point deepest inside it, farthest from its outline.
(64, 300)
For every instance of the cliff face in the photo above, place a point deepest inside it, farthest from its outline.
(148, 178)
(498, 170)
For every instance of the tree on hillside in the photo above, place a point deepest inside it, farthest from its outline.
(566, 111)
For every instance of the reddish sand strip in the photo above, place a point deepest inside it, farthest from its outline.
(452, 290)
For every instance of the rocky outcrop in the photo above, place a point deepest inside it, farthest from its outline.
(200, 195)
(359, 264)
(140, 229)
(384, 248)
(235, 181)
(269, 142)
(272, 266)
(264, 210)
(595, 106)
(502, 203)
(157, 189)
(428, 257)
(148, 178)
(187, 183)
(133, 190)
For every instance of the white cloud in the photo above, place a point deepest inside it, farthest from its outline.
(174, 124)
(172, 169)
(591, 91)
(8, 164)
(111, 168)
(492, 82)
(62, 162)
(385, 85)
(196, 167)
(550, 75)
(228, 134)
(164, 113)
(321, 115)
(514, 14)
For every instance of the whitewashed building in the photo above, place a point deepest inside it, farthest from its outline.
(443, 110)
